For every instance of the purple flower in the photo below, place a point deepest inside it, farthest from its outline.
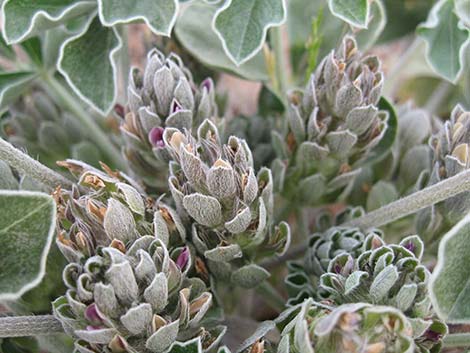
(93, 315)
(207, 84)
(175, 106)
(410, 246)
(119, 110)
(156, 137)
(183, 258)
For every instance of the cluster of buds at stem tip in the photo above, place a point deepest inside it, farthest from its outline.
(334, 125)
(164, 95)
(451, 155)
(216, 188)
(37, 125)
(107, 208)
(136, 300)
(313, 327)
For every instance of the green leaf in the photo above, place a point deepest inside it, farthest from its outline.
(446, 39)
(450, 283)
(242, 25)
(13, 84)
(202, 42)
(381, 194)
(27, 224)
(88, 63)
(249, 276)
(159, 15)
(354, 12)
(25, 18)
(385, 145)
(462, 8)
(32, 47)
(375, 26)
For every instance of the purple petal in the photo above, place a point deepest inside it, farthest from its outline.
(175, 106)
(156, 137)
(410, 246)
(183, 258)
(119, 110)
(207, 84)
(92, 314)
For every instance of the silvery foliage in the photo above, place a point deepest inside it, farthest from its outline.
(357, 327)
(215, 187)
(108, 207)
(164, 95)
(36, 124)
(138, 299)
(333, 126)
(406, 167)
(451, 151)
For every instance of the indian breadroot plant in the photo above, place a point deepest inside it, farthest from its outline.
(153, 200)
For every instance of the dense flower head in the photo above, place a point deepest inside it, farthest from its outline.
(358, 327)
(107, 207)
(139, 299)
(215, 186)
(334, 124)
(162, 96)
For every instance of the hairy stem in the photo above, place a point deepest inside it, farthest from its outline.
(414, 202)
(293, 253)
(22, 326)
(280, 59)
(94, 130)
(31, 167)
(454, 340)
(271, 296)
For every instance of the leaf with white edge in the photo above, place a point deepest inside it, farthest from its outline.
(462, 8)
(203, 43)
(446, 40)
(377, 21)
(23, 18)
(191, 346)
(88, 63)
(27, 224)
(159, 15)
(13, 84)
(354, 12)
(242, 25)
(450, 283)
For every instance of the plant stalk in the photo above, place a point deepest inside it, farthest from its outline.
(280, 59)
(94, 130)
(413, 203)
(22, 326)
(455, 340)
(293, 253)
(31, 167)
(271, 296)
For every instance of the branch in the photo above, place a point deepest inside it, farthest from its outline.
(413, 203)
(21, 326)
(31, 167)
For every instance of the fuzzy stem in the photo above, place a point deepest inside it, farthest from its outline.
(454, 340)
(293, 253)
(31, 167)
(280, 60)
(271, 296)
(22, 326)
(413, 203)
(94, 130)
